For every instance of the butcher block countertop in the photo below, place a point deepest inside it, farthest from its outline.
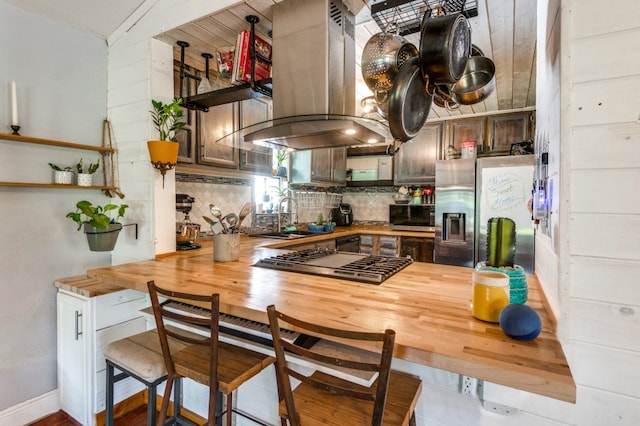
(426, 304)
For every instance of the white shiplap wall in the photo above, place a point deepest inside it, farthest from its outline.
(141, 69)
(604, 215)
(590, 263)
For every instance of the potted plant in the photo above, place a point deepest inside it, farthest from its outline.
(280, 194)
(62, 175)
(85, 178)
(100, 223)
(317, 227)
(167, 120)
(281, 156)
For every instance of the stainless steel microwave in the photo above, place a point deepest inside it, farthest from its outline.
(412, 217)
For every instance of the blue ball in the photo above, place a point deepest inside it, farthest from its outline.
(520, 322)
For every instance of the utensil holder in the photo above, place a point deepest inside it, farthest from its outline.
(226, 247)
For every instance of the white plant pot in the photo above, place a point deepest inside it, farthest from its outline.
(62, 177)
(85, 179)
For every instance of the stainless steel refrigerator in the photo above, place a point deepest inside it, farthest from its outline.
(454, 242)
(468, 194)
(503, 188)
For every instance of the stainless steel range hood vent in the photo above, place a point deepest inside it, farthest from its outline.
(312, 131)
(313, 81)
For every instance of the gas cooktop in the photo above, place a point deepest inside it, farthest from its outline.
(337, 264)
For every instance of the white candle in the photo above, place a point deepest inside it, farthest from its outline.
(14, 105)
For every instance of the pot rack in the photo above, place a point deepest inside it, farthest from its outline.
(407, 14)
(253, 89)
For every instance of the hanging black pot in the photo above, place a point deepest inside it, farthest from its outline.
(445, 45)
(409, 102)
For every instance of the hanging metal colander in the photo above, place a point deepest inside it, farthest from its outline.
(382, 56)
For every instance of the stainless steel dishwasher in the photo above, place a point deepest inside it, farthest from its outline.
(349, 243)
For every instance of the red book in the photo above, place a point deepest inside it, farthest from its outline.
(242, 64)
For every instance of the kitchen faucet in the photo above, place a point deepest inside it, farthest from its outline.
(294, 213)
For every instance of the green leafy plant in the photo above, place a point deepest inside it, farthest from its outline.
(281, 156)
(166, 118)
(60, 169)
(281, 192)
(96, 216)
(90, 170)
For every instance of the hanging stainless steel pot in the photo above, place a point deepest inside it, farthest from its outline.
(409, 102)
(477, 82)
(382, 56)
(445, 45)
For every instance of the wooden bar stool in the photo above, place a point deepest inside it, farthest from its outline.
(138, 356)
(220, 366)
(383, 396)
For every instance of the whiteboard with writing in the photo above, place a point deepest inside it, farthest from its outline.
(504, 193)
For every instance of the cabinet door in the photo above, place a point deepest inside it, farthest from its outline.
(321, 165)
(415, 162)
(466, 130)
(258, 159)
(508, 129)
(420, 249)
(218, 122)
(339, 165)
(74, 357)
(324, 165)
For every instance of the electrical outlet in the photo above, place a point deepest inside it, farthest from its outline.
(468, 386)
(494, 407)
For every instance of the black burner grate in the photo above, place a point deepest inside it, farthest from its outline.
(337, 264)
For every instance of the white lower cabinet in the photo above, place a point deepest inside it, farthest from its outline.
(86, 325)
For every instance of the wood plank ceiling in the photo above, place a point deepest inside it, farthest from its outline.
(505, 31)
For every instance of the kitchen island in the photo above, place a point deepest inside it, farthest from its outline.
(426, 304)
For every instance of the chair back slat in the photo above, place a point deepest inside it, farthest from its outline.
(332, 360)
(329, 386)
(333, 385)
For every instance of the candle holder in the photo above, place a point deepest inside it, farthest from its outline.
(15, 130)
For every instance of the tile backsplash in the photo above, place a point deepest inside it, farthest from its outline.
(369, 204)
(227, 194)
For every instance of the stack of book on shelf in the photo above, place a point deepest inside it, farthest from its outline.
(242, 63)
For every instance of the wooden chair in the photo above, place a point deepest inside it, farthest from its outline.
(220, 366)
(325, 399)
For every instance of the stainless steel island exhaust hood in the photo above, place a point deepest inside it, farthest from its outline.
(313, 77)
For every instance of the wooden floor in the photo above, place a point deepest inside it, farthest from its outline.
(136, 417)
